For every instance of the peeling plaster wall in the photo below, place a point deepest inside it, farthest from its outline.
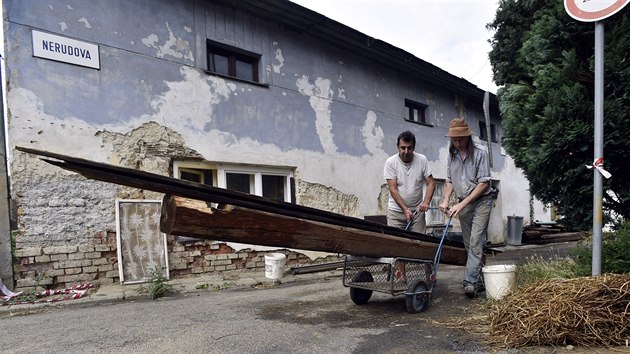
(332, 114)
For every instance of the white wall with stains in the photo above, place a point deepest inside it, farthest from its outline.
(320, 108)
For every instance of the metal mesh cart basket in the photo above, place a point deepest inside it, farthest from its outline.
(412, 277)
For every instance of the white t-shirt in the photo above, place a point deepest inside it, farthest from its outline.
(409, 177)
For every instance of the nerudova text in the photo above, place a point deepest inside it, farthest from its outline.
(66, 49)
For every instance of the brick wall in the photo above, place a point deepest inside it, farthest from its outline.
(57, 267)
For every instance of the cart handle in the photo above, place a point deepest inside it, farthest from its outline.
(436, 261)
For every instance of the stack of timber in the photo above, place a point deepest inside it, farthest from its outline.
(543, 233)
(249, 219)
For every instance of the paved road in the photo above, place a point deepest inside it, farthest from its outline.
(315, 316)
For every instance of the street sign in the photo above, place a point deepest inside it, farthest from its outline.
(593, 10)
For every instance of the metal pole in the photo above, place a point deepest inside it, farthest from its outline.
(598, 148)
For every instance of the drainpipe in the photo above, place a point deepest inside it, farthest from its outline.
(6, 258)
(486, 112)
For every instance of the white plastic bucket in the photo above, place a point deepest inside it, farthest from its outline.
(499, 280)
(274, 265)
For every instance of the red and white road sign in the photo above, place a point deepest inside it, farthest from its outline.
(593, 10)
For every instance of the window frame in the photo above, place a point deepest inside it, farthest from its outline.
(436, 199)
(483, 132)
(196, 167)
(257, 172)
(233, 54)
(420, 108)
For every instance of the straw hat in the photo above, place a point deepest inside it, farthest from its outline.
(458, 128)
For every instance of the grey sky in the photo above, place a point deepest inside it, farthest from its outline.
(450, 34)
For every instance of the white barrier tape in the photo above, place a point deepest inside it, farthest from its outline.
(598, 164)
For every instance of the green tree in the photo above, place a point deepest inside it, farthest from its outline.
(544, 61)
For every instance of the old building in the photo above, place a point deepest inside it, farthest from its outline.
(262, 96)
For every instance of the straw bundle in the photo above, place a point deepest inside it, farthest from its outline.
(587, 311)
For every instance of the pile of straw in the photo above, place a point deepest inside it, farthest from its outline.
(586, 311)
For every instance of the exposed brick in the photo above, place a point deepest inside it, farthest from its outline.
(60, 249)
(219, 268)
(54, 272)
(196, 270)
(76, 278)
(28, 252)
(215, 246)
(99, 261)
(232, 256)
(112, 274)
(86, 248)
(102, 248)
(20, 283)
(210, 257)
(86, 262)
(71, 271)
(231, 267)
(90, 269)
(70, 264)
(105, 267)
(222, 256)
(92, 255)
(42, 259)
(221, 262)
(76, 256)
(58, 257)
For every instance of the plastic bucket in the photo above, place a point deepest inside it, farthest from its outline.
(499, 280)
(274, 265)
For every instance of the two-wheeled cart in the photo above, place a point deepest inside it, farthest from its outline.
(414, 278)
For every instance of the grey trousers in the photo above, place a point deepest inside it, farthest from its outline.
(397, 219)
(474, 220)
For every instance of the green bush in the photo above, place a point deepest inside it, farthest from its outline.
(615, 257)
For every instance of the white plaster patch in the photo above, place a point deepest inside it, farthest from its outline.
(173, 46)
(372, 134)
(85, 22)
(279, 59)
(63, 26)
(187, 29)
(320, 95)
(189, 104)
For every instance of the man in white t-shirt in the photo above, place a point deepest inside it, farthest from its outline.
(406, 173)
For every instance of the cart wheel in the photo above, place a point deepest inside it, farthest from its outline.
(420, 302)
(361, 296)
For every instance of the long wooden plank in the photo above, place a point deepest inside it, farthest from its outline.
(194, 218)
(169, 185)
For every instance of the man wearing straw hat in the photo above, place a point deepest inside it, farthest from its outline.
(468, 176)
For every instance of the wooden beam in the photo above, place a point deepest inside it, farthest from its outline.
(195, 218)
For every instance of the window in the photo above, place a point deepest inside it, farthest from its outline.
(233, 62)
(483, 132)
(416, 112)
(434, 216)
(265, 181)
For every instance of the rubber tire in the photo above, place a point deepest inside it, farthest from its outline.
(420, 302)
(361, 296)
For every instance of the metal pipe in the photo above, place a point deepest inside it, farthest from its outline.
(598, 148)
